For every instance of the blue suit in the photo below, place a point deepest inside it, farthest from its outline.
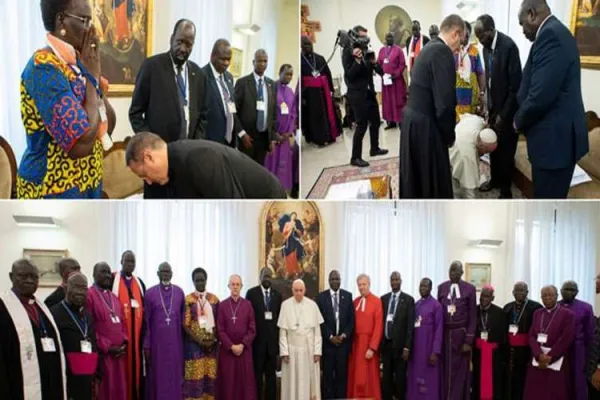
(335, 358)
(551, 113)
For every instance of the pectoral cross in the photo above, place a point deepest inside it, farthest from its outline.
(234, 318)
(168, 321)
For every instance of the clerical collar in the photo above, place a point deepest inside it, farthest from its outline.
(235, 300)
(551, 309)
(166, 287)
(25, 300)
(299, 302)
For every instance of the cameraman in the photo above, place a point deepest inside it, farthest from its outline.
(358, 75)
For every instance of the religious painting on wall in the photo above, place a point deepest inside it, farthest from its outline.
(308, 28)
(125, 35)
(291, 245)
(396, 20)
(479, 274)
(46, 262)
(585, 26)
(237, 59)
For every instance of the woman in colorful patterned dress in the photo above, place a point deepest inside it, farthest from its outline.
(66, 116)
(470, 78)
(200, 346)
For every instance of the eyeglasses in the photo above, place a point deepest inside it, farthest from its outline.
(87, 21)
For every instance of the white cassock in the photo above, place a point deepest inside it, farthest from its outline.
(300, 339)
(464, 157)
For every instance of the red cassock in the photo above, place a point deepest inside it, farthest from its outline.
(363, 374)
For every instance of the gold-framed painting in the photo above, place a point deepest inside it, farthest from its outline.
(237, 60)
(46, 262)
(585, 26)
(396, 20)
(479, 274)
(125, 40)
(291, 245)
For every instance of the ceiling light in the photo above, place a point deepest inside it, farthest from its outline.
(248, 29)
(30, 221)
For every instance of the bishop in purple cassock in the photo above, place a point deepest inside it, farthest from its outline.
(391, 58)
(163, 342)
(550, 338)
(236, 329)
(424, 365)
(584, 335)
(457, 298)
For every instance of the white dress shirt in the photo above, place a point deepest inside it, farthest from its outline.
(336, 312)
(265, 95)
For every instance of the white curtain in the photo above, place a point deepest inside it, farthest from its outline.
(549, 243)
(379, 238)
(264, 13)
(21, 33)
(211, 235)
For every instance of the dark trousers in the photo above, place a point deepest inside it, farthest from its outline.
(551, 183)
(366, 113)
(260, 147)
(335, 372)
(265, 364)
(393, 384)
(593, 394)
(502, 160)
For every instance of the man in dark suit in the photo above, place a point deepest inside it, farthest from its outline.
(551, 113)
(170, 96)
(222, 123)
(66, 267)
(503, 78)
(256, 101)
(398, 323)
(266, 303)
(358, 75)
(200, 169)
(336, 308)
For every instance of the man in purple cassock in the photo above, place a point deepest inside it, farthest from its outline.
(550, 338)
(163, 343)
(424, 365)
(393, 91)
(280, 162)
(584, 335)
(111, 334)
(457, 298)
(236, 329)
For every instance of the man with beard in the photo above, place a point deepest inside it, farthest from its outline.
(266, 303)
(78, 336)
(415, 43)
(32, 364)
(395, 81)
(318, 114)
(163, 341)
(130, 290)
(66, 267)
(169, 98)
(337, 329)
(489, 351)
(520, 316)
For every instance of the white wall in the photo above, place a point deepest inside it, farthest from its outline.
(288, 43)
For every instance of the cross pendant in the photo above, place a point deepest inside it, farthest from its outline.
(234, 318)
(168, 320)
(452, 313)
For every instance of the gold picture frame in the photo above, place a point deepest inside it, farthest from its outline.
(237, 60)
(479, 274)
(46, 262)
(125, 40)
(301, 244)
(585, 26)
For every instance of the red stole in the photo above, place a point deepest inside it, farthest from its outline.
(486, 368)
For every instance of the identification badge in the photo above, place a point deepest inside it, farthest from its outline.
(284, 109)
(260, 105)
(387, 80)
(386, 61)
(390, 318)
(186, 111)
(542, 338)
(337, 315)
(115, 319)
(268, 316)
(514, 329)
(451, 308)
(316, 74)
(418, 322)
(48, 345)
(231, 107)
(484, 336)
(86, 347)
(134, 303)
(102, 112)
(202, 321)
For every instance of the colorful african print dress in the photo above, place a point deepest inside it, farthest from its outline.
(200, 363)
(52, 97)
(467, 92)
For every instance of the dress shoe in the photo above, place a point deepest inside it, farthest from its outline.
(505, 194)
(378, 152)
(359, 162)
(391, 125)
(486, 187)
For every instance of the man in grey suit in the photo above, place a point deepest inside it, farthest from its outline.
(256, 108)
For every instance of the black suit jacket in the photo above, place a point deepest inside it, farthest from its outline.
(506, 74)
(245, 102)
(216, 119)
(404, 322)
(359, 76)
(267, 332)
(346, 317)
(155, 104)
(55, 297)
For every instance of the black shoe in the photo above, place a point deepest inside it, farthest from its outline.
(486, 187)
(391, 125)
(505, 194)
(359, 162)
(379, 152)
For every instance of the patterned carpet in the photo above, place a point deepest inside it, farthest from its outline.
(388, 166)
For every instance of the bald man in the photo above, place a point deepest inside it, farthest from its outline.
(300, 346)
(66, 267)
(256, 108)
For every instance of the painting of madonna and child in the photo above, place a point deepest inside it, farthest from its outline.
(291, 241)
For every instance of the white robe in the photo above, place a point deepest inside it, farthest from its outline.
(300, 339)
(464, 157)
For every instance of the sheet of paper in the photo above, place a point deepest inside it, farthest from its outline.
(351, 190)
(555, 366)
(387, 80)
(579, 176)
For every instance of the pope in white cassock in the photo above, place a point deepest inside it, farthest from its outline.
(300, 346)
